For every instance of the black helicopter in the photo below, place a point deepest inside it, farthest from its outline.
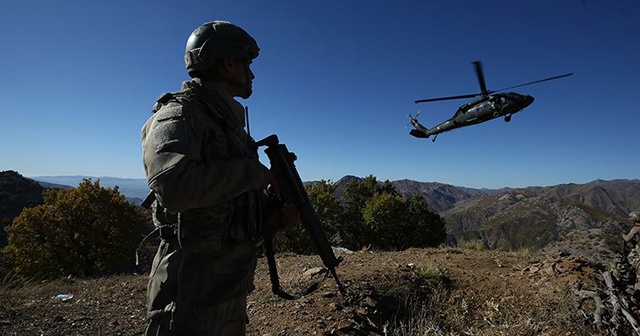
(488, 105)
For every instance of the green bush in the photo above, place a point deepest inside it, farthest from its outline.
(377, 215)
(83, 231)
(423, 228)
(369, 214)
(353, 227)
(329, 213)
(384, 216)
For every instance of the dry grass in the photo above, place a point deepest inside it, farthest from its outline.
(448, 311)
(13, 288)
(415, 292)
(473, 245)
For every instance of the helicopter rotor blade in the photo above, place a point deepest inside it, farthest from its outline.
(413, 119)
(538, 81)
(480, 74)
(448, 98)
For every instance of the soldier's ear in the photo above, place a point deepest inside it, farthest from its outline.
(226, 66)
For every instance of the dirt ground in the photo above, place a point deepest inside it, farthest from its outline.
(414, 292)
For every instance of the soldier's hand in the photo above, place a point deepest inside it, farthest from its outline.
(290, 216)
(267, 178)
(284, 218)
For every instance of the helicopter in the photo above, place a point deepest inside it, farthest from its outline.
(487, 105)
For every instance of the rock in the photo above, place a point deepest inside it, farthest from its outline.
(313, 271)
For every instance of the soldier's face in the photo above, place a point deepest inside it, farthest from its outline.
(242, 73)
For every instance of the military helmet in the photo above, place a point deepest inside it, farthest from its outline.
(635, 216)
(214, 40)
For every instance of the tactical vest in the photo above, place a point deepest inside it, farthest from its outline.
(238, 220)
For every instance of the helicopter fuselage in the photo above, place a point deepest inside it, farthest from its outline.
(485, 106)
(482, 109)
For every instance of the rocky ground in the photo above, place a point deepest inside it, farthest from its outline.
(415, 292)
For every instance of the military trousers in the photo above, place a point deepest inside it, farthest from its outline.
(634, 260)
(200, 293)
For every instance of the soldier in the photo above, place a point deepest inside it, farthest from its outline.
(208, 185)
(632, 250)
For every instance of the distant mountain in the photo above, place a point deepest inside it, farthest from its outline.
(18, 192)
(581, 219)
(134, 189)
(617, 196)
(585, 219)
(439, 196)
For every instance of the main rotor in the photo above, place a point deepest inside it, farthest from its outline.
(483, 87)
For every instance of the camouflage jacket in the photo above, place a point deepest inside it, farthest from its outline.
(631, 238)
(199, 161)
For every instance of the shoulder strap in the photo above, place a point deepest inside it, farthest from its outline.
(148, 200)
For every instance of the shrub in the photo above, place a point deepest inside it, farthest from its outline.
(384, 215)
(354, 197)
(329, 213)
(83, 231)
(423, 228)
(369, 214)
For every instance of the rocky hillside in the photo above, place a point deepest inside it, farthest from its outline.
(618, 197)
(514, 221)
(582, 219)
(16, 193)
(439, 196)
(585, 219)
(453, 291)
(440, 291)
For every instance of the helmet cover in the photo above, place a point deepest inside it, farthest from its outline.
(215, 40)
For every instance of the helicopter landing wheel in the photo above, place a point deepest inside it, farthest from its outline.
(507, 118)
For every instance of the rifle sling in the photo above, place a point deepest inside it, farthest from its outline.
(275, 280)
(148, 200)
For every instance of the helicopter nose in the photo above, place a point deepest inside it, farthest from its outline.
(528, 100)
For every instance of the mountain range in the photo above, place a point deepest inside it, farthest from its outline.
(580, 219)
(585, 219)
(134, 189)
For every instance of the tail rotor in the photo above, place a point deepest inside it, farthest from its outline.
(413, 120)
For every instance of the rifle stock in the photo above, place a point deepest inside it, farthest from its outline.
(292, 191)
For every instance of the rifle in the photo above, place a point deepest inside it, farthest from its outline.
(292, 191)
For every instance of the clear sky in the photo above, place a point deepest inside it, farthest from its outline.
(336, 81)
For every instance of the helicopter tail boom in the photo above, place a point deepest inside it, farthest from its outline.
(418, 134)
(419, 131)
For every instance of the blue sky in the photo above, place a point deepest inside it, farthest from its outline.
(336, 81)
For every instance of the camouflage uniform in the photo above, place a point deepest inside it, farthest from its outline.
(632, 246)
(206, 178)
